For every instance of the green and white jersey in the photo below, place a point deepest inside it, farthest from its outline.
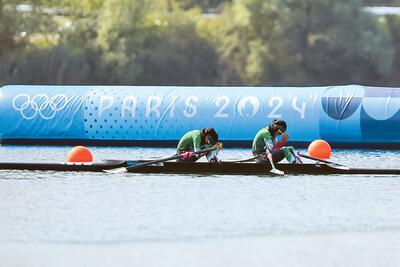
(263, 141)
(191, 141)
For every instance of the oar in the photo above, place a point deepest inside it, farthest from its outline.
(274, 170)
(217, 146)
(240, 160)
(322, 160)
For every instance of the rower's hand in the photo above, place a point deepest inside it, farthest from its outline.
(218, 145)
(186, 155)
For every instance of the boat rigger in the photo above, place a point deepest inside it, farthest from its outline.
(224, 168)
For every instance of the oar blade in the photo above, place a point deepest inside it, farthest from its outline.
(321, 160)
(117, 170)
(340, 167)
(277, 172)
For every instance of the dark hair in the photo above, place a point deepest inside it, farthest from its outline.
(277, 124)
(211, 133)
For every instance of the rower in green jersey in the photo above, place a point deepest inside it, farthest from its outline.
(266, 146)
(196, 140)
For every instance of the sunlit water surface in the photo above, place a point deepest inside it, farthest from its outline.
(98, 208)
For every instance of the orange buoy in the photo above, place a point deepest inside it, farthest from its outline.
(79, 154)
(320, 149)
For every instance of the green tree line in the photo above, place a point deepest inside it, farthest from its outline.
(197, 42)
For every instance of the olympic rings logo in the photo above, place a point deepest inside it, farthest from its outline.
(41, 104)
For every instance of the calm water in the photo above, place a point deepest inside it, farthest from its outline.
(63, 211)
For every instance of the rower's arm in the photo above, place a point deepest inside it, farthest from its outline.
(281, 142)
(197, 142)
(269, 144)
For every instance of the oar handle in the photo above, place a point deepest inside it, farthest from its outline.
(317, 159)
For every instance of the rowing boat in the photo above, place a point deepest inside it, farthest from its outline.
(64, 166)
(233, 168)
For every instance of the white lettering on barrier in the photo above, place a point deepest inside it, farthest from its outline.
(191, 109)
(129, 104)
(153, 108)
(242, 106)
(246, 107)
(273, 113)
(172, 106)
(225, 103)
(103, 105)
(302, 110)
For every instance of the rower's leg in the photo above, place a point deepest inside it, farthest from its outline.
(260, 159)
(191, 159)
(296, 156)
(277, 156)
(291, 155)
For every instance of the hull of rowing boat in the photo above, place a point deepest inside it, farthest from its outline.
(256, 169)
(89, 167)
(205, 168)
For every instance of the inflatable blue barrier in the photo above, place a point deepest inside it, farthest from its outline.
(352, 115)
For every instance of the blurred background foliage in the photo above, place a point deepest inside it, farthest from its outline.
(199, 42)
